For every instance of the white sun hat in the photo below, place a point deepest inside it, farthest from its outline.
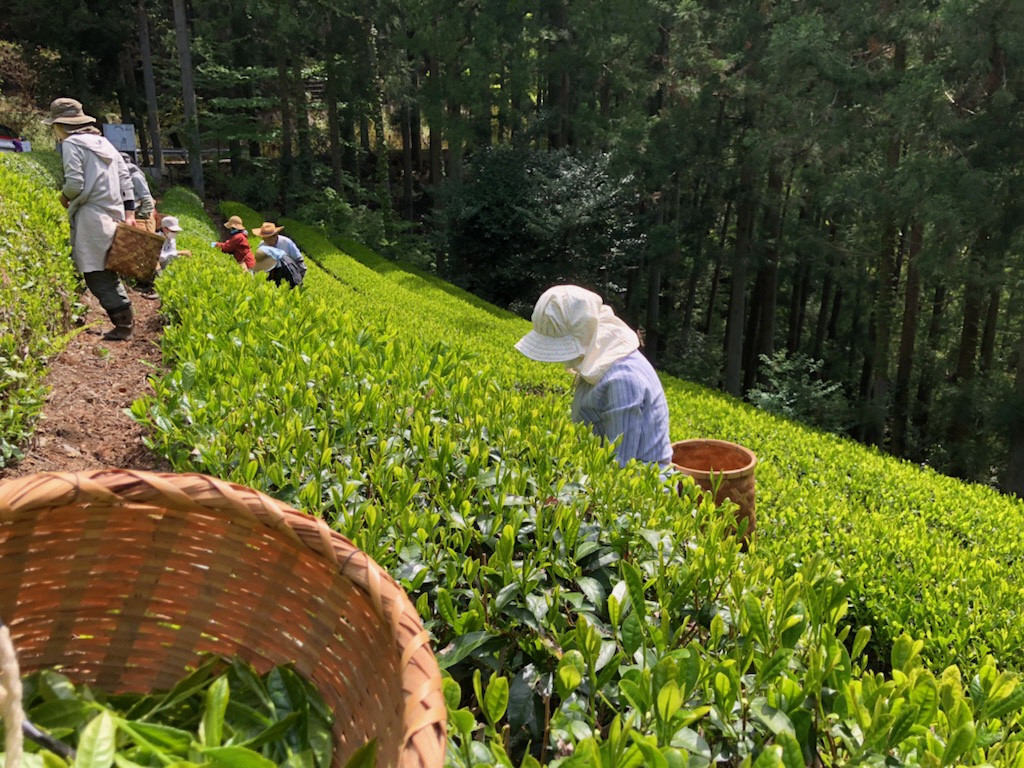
(571, 323)
(170, 223)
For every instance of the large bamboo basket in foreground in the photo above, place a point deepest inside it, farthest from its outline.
(123, 579)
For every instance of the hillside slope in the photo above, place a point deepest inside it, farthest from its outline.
(562, 593)
(926, 551)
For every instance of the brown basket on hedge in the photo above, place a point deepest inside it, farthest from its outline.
(124, 579)
(134, 252)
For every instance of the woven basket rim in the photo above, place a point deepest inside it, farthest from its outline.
(425, 726)
(151, 235)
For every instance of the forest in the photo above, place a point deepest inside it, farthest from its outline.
(815, 206)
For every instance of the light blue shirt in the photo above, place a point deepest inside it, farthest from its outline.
(628, 401)
(288, 246)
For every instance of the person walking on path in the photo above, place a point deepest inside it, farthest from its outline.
(145, 205)
(617, 392)
(98, 194)
(271, 235)
(237, 243)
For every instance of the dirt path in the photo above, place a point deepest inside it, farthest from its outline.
(83, 424)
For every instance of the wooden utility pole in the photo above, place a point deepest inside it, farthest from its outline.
(150, 85)
(195, 156)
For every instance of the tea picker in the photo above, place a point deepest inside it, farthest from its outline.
(617, 392)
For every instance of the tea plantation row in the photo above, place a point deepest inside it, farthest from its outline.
(929, 554)
(38, 291)
(586, 614)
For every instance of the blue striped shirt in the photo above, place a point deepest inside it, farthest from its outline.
(628, 401)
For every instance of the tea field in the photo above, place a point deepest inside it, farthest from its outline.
(586, 615)
(38, 292)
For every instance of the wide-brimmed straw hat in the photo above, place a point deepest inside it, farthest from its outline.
(267, 229)
(67, 111)
(235, 222)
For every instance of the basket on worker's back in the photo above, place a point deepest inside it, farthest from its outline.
(124, 579)
(134, 252)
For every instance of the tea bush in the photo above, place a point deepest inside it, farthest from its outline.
(583, 614)
(930, 555)
(38, 290)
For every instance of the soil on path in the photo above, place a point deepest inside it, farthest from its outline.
(83, 424)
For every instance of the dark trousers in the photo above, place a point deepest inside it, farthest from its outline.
(106, 287)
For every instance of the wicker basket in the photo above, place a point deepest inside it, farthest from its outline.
(123, 579)
(134, 252)
(730, 466)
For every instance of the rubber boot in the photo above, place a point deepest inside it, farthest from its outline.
(124, 325)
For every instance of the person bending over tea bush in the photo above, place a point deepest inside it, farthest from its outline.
(617, 392)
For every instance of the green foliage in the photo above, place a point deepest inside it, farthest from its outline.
(526, 219)
(330, 211)
(795, 389)
(38, 291)
(584, 614)
(223, 713)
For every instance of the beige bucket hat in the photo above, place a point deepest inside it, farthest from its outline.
(67, 112)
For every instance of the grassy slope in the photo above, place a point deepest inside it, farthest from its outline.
(931, 554)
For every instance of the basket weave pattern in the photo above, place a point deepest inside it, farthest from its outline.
(122, 579)
(134, 252)
(729, 465)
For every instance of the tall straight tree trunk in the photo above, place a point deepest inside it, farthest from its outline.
(885, 298)
(921, 414)
(716, 275)
(188, 90)
(768, 277)
(333, 122)
(966, 360)
(745, 212)
(1013, 477)
(407, 166)
(434, 73)
(128, 96)
(455, 145)
(821, 326)
(988, 337)
(349, 156)
(382, 171)
(654, 274)
(149, 83)
(557, 98)
(287, 172)
(304, 168)
(908, 335)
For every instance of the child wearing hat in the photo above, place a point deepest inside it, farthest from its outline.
(169, 228)
(237, 243)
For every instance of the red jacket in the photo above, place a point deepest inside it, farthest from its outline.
(238, 246)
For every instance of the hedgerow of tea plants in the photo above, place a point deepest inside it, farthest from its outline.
(38, 291)
(929, 555)
(583, 614)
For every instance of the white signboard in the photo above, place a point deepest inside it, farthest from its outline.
(121, 135)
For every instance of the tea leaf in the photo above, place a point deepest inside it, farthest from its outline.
(96, 746)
